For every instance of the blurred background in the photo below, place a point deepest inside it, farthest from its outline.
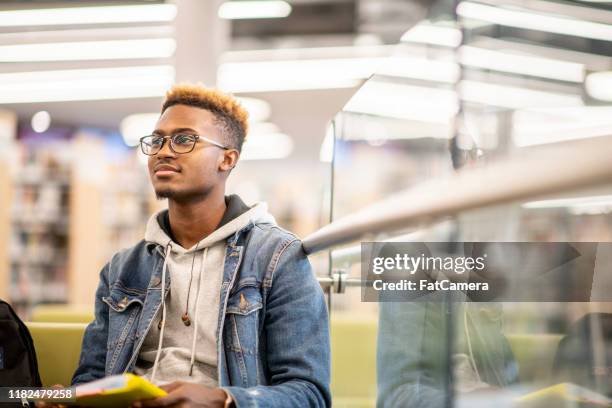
(82, 81)
(351, 102)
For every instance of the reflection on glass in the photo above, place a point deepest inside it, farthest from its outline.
(502, 79)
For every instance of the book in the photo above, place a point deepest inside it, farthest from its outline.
(562, 395)
(116, 391)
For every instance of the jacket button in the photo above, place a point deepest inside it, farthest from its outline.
(123, 302)
(243, 303)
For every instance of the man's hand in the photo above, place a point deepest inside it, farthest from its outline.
(183, 394)
(49, 404)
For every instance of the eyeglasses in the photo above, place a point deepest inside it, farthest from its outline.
(180, 143)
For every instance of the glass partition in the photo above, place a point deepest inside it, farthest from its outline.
(481, 83)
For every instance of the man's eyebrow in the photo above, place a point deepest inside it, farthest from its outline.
(174, 131)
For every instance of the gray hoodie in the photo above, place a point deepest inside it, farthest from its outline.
(172, 351)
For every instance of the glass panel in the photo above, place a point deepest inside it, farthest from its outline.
(503, 79)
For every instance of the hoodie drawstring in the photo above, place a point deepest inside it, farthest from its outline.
(163, 293)
(195, 329)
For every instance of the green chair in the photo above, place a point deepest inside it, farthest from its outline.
(58, 347)
(64, 313)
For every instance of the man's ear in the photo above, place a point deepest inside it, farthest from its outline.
(229, 160)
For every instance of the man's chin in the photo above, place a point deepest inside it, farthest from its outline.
(163, 194)
(179, 196)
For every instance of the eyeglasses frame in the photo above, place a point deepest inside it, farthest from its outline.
(197, 137)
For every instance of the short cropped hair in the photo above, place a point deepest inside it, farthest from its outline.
(230, 115)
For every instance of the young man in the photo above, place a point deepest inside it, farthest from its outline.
(217, 302)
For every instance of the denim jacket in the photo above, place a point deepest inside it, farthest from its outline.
(273, 348)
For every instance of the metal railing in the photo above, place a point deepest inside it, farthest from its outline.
(534, 173)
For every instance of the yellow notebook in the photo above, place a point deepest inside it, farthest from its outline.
(562, 395)
(116, 391)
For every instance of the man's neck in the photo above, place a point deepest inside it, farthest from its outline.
(193, 221)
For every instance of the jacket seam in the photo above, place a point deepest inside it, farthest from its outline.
(275, 260)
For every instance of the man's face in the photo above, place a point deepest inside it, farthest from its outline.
(188, 176)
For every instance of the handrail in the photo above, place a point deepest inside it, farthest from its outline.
(537, 171)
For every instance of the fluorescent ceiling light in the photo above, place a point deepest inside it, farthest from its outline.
(294, 74)
(327, 73)
(312, 53)
(591, 62)
(513, 97)
(265, 146)
(135, 126)
(236, 10)
(258, 109)
(504, 61)
(576, 205)
(88, 15)
(416, 103)
(599, 85)
(533, 21)
(86, 84)
(542, 126)
(88, 50)
(435, 35)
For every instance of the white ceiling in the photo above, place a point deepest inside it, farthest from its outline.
(302, 115)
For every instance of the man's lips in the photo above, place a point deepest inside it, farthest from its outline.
(165, 169)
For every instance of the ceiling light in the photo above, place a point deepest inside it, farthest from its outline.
(409, 102)
(236, 10)
(258, 109)
(265, 146)
(504, 61)
(542, 126)
(576, 205)
(88, 50)
(293, 74)
(435, 35)
(298, 74)
(86, 84)
(591, 62)
(88, 15)
(513, 97)
(599, 85)
(135, 126)
(533, 21)
(41, 121)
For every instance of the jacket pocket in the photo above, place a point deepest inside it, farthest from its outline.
(125, 307)
(120, 299)
(242, 318)
(241, 332)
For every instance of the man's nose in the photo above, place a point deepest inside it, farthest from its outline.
(165, 150)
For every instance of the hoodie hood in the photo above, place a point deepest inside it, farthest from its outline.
(257, 214)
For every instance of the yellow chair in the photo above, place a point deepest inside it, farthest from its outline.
(353, 345)
(535, 354)
(353, 352)
(64, 313)
(58, 347)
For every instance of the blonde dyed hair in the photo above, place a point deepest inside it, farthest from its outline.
(230, 116)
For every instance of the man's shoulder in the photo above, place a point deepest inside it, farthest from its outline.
(272, 236)
(140, 248)
(132, 258)
(270, 246)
